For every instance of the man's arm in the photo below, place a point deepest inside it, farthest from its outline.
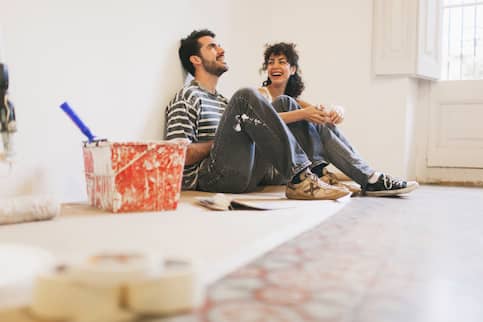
(178, 125)
(197, 152)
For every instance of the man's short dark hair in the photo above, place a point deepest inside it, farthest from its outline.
(190, 46)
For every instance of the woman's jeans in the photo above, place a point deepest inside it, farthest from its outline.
(325, 144)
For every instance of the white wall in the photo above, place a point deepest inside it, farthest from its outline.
(334, 39)
(116, 63)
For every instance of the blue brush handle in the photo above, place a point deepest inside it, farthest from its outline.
(84, 129)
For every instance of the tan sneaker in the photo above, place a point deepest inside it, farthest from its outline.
(333, 179)
(329, 177)
(312, 188)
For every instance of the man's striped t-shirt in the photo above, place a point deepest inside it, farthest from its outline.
(194, 114)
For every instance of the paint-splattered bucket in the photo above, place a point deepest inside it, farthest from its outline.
(134, 176)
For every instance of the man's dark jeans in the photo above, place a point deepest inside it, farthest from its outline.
(250, 139)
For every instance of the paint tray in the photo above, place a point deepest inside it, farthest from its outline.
(134, 176)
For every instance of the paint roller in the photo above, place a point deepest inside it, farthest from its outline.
(28, 208)
(80, 124)
(8, 124)
(23, 208)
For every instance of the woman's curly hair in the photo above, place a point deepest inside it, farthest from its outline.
(295, 85)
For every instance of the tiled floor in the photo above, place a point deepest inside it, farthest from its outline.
(418, 258)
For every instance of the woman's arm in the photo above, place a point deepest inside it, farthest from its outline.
(309, 113)
(334, 114)
(303, 104)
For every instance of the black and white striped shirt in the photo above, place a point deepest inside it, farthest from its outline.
(194, 114)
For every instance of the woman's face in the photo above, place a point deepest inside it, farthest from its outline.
(279, 70)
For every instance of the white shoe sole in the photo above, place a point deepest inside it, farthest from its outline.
(412, 185)
(331, 196)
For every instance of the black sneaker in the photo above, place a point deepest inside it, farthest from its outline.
(389, 186)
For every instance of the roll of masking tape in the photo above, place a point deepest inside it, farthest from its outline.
(53, 295)
(60, 296)
(19, 266)
(99, 303)
(57, 296)
(114, 287)
(115, 268)
(176, 289)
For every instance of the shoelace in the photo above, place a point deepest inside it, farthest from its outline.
(389, 181)
(314, 183)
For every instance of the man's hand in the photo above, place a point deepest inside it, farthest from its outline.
(197, 152)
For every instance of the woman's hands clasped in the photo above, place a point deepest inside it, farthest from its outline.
(320, 114)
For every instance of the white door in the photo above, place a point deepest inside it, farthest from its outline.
(455, 124)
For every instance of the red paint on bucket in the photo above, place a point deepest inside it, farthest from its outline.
(134, 176)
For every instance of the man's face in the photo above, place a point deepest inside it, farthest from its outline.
(212, 56)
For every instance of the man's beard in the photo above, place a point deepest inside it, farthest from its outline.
(214, 68)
